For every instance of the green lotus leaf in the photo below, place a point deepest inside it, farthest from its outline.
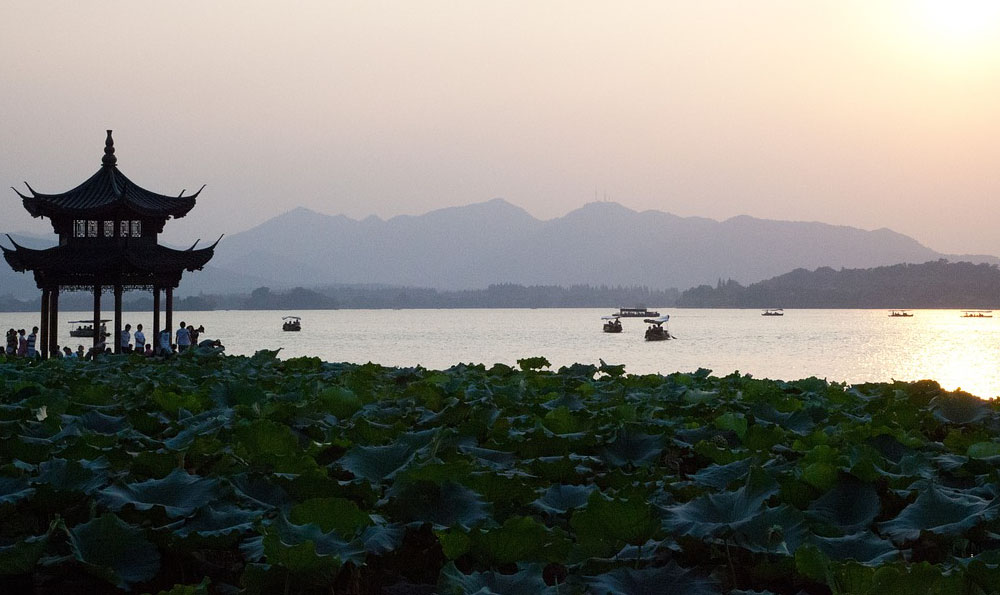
(721, 476)
(607, 524)
(178, 494)
(613, 370)
(798, 421)
(203, 424)
(377, 463)
(533, 363)
(630, 447)
(519, 539)
(339, 401)
(958, 408)
(560, 499)
(940, 512)
(264, 439)
(493, 459)
(864, 547)
(850, 505)
(778, 530)
(578, 371)
(298, 542)
(21, 557)
(984, 450)
(382, 539)
(14, 490)
(443, 505)
(735, 422)
(260, 491)
(201, 588)
(714, 514)
(331, 514)
(83, 476)
(218, 520)
(526, 581)
(570, 401)
(665, 580)
(562, 421)
(115, 551)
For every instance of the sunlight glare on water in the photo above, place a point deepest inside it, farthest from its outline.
(850, 346)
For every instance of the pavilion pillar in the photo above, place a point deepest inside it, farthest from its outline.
(54, 321)
(170, 312)
(156, 318)
(117, 338)
(43, 348)
(98, 335)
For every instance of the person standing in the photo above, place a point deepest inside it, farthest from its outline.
(126, 338)
(164, 342)
(11, 343)
(31, 342)
(140, 338)
(183, 338)
(22, 344)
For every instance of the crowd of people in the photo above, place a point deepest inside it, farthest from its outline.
(21, 345)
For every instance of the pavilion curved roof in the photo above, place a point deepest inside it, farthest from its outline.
(67, 259)
(107, 191)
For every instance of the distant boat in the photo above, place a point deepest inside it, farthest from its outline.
(291, 323)
(613, 325)
(637, 312)
(773, 312)
(900, 313)
(656, 332)
(85, 328)
(977, 314)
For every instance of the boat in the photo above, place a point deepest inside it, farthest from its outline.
(85, 328)
(656, 332)
(977, 314)
(613, 325)
(637, 312)
(773, 312)
(899, 313)
(291, 323)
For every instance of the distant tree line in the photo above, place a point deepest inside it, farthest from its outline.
(935, 284)
(504, 295)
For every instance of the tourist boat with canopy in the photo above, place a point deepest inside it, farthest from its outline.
(637, 312)
(773, 312)
(655, 331)
(612, 324)
(85, 328)
(977, 314)
(900, 314)
(291, 323)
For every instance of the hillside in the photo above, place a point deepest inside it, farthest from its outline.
(936, 284)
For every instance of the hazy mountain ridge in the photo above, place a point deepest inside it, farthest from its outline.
(599, 243)
(474, 246)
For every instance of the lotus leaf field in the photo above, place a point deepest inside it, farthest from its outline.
(214, 474)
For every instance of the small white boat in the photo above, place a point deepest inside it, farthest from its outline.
(612, 324)
(655, 331)
(291, 323)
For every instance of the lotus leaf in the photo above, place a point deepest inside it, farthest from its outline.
(218, 520)
(178, 494)
(607, 524)
(630, 447)
(721, 476)
(21, 557)
(519, 539)
(446, 504)
(560, 499)
(14, 490)
(84, 477)
(527, 581)
(941, 512)
(115, 551)
(665, 580)
(382, 539)
(849, 505)
(864, 547)
(259, 491)
(984, 450)
(377, 463)
(331, 514)
(714, 514)
(958, 408)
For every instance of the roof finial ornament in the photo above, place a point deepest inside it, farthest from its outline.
(109, 152)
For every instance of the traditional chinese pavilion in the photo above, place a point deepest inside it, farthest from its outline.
(107, 229)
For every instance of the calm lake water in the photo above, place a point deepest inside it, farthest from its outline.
(840, 345)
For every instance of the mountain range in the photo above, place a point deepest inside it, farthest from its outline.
(473, 246)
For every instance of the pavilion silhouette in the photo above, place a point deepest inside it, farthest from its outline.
(108, 228)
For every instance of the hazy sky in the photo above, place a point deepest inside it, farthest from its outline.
(866, 113)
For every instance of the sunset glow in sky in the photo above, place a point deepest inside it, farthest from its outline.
(864, 113)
